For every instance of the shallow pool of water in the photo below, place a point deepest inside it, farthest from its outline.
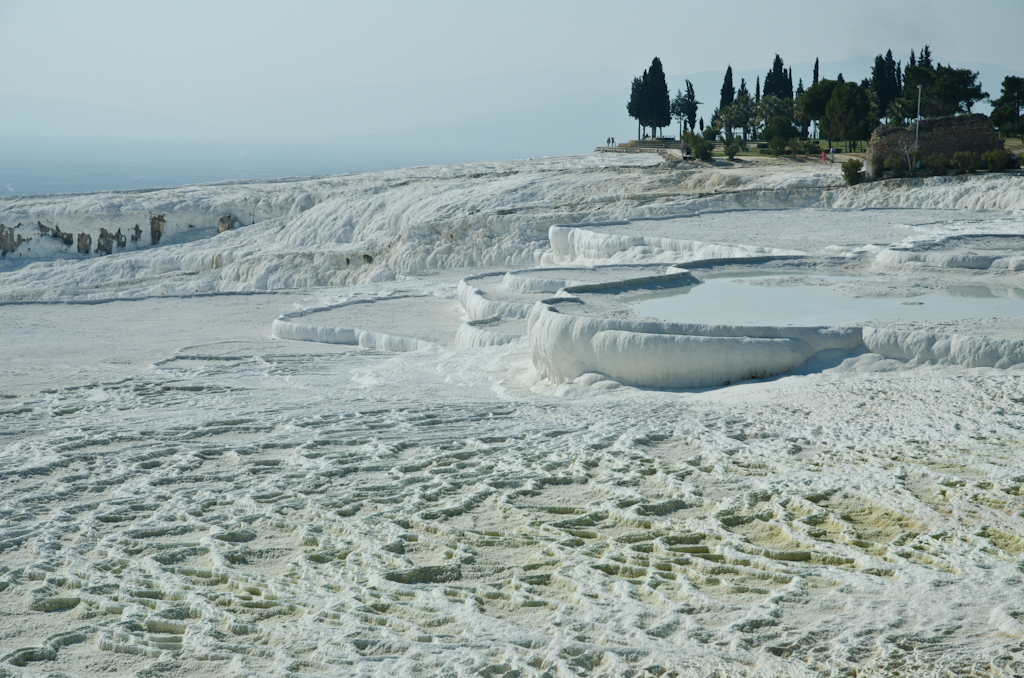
(729, 302)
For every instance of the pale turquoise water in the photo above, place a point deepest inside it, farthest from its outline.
(725, 301)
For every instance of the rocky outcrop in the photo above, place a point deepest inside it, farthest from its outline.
(226, 222)
(56, 233)
(156, 228)
(106, 241)
(9, 241)
(945, 135)
(84, 243)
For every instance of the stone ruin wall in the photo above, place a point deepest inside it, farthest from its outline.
(947, 135)
(12, 238)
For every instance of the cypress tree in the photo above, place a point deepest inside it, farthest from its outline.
(635, 107)
(778, 82)
(925, 58)
(743, 108)
(798, 113)
(728, 91)
(880, 83)
(892, 69)
(886, 81)
(691, 104)
(815, 72)
(657, 92)
(757, 91)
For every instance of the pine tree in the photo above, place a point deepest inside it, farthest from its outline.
(944, 90)
(728, 91)
(849, 113)
(677, 109)
(1007, 114)
(1012, 95)
(814, 102)
(913, 61)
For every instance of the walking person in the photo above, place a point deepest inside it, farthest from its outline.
(823, 161)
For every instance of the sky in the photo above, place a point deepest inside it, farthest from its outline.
(469, 77)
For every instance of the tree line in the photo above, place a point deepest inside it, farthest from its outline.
(835, 109)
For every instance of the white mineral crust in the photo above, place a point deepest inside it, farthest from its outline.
(403, 424)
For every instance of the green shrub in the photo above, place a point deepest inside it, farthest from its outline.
(777, 146)
(878, 166)
(895, 164)
(699, 147)
(965, 162)
(709, 134)
(780, 127)
(937, 164)
(997, 160)
(811, 147)
(734, 146)
(851, 171)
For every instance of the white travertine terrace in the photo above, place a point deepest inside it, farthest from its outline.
(653, 354)
(448, 478)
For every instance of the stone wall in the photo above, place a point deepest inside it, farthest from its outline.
(947, 135)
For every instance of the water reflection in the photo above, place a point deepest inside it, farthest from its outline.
(731, 302)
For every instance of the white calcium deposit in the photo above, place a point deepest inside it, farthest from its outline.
(405, 424)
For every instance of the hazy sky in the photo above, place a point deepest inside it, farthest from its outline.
(311, 67)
